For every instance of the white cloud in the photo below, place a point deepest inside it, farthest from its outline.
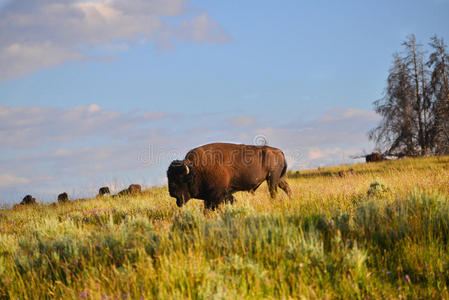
(53, 149)
(328, 156)
(38, 34)
(93, 108)
(350, 114)
(243, 121)
(330, 139)
(23, 127)
(10, 180)
(19, 59)
(203, 29)
(316, 153)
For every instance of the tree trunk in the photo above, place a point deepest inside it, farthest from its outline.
(418, 101)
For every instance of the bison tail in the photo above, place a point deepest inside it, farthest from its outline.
(284, 170)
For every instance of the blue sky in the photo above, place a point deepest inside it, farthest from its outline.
(87, 87)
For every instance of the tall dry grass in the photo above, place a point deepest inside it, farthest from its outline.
(380, 231)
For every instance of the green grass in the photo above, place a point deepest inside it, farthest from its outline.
(381, 231)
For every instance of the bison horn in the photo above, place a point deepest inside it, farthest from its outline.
(187, 169)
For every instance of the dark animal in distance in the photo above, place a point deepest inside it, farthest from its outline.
(103, 191)
(28, 199)
(133, 189)
(63, 198)
(215, 171)
(374, 157)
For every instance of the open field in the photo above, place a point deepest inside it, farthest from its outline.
(380, 231)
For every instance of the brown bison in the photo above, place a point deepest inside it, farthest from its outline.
(28, 199)
(214, 172)
(63, 198)
(133, 189)
(103, 191)
(374, 157)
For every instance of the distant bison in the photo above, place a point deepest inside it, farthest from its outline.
(28, 199)
(374, 157)
(214, 172)
(133, 189)
(104, 191)
(63, 198)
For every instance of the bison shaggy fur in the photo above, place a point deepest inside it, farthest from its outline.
(215, 171)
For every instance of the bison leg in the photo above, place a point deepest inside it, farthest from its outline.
(284, 185)
(253, 190)
(215, 200)
(229, 198)
(211, 205)
(272, 186)
(273, 191)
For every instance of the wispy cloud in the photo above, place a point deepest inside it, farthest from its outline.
(38, 34)
(330, 139)
(22, 127)
(46, 149)
(9, 180)
(243, 121)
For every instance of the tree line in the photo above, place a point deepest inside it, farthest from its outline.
(415, 105)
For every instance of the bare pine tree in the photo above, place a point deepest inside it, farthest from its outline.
(439, 61)
(414, 60)
(395, 133)
(407, 125)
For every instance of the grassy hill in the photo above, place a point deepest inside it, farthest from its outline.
(380, 230)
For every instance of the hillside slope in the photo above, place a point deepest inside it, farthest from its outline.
(380, 230)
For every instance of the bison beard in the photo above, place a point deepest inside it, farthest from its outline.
(214, 172)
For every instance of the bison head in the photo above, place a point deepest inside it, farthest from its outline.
(180, 176)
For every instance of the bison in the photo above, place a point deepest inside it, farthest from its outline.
(133, 189)
(215, 171)
(28, 199)
(63, 198)
(103, 191)
(374, 157)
